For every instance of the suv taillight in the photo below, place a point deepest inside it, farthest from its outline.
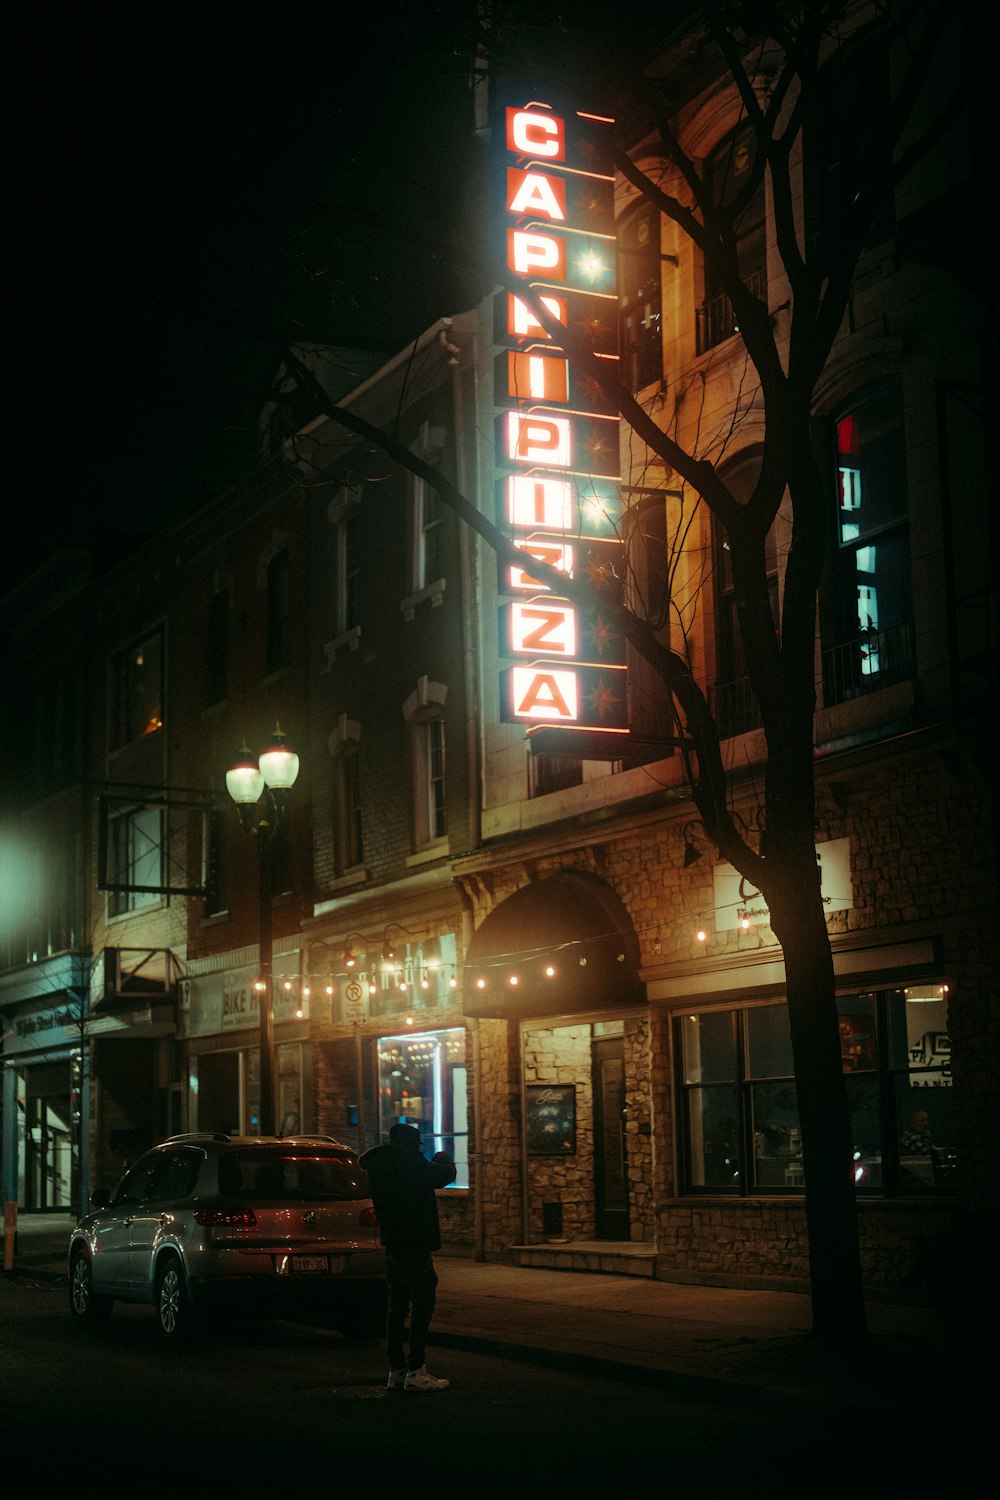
(217, 1218)
(367, 1219)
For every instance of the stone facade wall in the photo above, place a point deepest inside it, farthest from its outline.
(639, 1130)
(499, 1154)
(562, 1055)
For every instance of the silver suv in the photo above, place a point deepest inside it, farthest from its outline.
(245, 1221)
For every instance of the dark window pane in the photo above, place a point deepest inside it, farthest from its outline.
(708, 1047)
(713, 1138)
(769, 1043)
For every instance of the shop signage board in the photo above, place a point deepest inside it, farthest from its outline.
(556, 438)
(737, 899)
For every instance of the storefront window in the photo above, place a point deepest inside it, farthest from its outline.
(738, 1103)
(423, 1081)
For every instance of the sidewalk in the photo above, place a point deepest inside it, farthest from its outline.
(751, 1346)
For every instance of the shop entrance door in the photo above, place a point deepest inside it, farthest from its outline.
(610, 1172)
(49, 1160)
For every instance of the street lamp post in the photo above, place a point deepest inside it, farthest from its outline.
(264, 784)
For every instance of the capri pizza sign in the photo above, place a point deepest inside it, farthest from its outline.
(556, 439)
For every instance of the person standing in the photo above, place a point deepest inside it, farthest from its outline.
(403, 1184)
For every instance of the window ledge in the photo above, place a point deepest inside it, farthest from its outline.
(356, 875)
(349, 638)
(437, 850)
(433, 591)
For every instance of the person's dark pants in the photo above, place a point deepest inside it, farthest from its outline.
(412, 1282)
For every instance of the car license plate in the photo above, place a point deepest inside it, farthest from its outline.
(310, 1265)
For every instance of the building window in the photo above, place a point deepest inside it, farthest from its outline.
(423, 1081)
(868, 604)
(424, 713)
(348, 818)
(428, 527)
(738, 1107)
(435, 779)
(56, 734)
(218, 647)
(349, 824)
(137, 691)
(852, 96)
(136, 849)
(729, 178)
(215, 871)
(640, 321)
(279, 611)
(347, 585)
(429, 535)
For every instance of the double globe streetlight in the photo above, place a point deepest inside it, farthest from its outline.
(263, 783)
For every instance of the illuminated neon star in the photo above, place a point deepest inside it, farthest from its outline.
(591, 266)
(604, 700)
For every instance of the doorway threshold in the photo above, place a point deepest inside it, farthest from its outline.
(608, 1257)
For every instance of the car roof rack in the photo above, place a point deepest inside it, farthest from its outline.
(197, 1135)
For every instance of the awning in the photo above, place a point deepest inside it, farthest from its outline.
(559, 946)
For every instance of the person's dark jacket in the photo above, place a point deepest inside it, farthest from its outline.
(402, 1183)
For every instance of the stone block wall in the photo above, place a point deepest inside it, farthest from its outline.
(562, 1055)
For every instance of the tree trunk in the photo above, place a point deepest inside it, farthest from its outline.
(798, 920)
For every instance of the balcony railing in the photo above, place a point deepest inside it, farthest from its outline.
(874, 659)
(716, 319)
(734, 707)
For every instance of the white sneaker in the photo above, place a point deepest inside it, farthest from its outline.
(420, 1380)
(396, 1380)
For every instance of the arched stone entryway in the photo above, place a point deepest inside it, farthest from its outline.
(558, 961)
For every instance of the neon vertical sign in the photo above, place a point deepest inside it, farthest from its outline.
(556, 438)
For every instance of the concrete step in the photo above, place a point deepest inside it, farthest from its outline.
(610, 1257)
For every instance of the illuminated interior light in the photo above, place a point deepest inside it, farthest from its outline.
(550, 971)
(745, 923)
(480, 984)
(513, 979)
(288, 986)
(373, 988)
(701, 934)
(583, 960)
(299, 1013)
(306, 992)
(260, 985)
(329, 989)
(409, 1020)
(453, 983)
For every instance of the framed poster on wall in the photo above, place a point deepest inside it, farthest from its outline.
(551, 1119)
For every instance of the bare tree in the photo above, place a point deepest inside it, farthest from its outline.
(772, 56)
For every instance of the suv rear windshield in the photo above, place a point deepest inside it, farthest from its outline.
(290, 1172)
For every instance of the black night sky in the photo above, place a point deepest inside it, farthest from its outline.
(186, 178)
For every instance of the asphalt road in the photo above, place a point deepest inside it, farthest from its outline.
(269, 1399)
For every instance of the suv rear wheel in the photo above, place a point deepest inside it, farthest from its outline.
(174, 1313)
(86, 1305)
